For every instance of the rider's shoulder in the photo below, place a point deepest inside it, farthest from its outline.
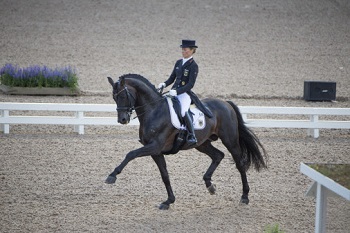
(193, 63)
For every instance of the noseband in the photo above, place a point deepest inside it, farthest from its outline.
(129, 109)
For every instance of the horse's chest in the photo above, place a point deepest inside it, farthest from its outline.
(146, 134)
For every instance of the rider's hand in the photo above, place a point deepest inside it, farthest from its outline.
(173, 92)
(161, 85)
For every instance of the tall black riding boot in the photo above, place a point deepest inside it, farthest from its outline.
(191, 137)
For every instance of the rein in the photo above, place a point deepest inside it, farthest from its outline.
(155, 101)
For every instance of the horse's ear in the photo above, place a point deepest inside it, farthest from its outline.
(110, 80)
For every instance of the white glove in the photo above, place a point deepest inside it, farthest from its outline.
(173, 92)
(161, 85)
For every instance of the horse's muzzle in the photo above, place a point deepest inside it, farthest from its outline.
(123, 120)
(123, 117)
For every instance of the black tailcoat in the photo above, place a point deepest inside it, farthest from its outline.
(183, 76)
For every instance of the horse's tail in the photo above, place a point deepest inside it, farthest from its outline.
(252, 149)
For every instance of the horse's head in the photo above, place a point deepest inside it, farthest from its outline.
(125, 98)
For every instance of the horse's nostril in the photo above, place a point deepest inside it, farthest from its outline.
(122, 121)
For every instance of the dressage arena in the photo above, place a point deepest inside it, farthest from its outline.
(254, 53)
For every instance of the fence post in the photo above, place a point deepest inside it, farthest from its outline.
(4, 127)
(79, 128)
(321, 209)
(313, 132)
(1, 116)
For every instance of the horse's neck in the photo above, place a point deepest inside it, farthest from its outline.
(147, 99)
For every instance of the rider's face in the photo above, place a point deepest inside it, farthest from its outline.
(187, 52)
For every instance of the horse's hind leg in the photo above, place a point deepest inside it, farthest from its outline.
(236, 152)
(160, 161)
(216, 157)
(241, 169)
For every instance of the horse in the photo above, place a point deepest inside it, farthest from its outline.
(134, 93)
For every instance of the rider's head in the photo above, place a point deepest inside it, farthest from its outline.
(188, 48)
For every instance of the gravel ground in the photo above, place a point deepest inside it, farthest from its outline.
(250, 52)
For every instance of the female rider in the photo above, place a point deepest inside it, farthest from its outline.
(184, 77)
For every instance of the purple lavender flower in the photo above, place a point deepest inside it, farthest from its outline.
(37, 76)
(9, 69)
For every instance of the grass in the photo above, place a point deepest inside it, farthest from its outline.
(340, 173)
(38, 76)
(273, 229)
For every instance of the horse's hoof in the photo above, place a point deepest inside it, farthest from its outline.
(244, 201)
(212, 189)
(110, 180)
(163, 206)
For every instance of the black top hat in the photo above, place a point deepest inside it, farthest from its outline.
(188, 44)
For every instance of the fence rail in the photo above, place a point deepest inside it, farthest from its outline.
(79, 120)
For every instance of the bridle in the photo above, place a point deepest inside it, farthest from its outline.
(129, 109)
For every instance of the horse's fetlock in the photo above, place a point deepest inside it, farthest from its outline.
(207, 182)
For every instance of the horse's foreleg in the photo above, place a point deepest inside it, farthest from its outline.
(216, 157)
(143, 151)
(160, 161)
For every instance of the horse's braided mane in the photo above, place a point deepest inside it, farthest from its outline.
(142, 79)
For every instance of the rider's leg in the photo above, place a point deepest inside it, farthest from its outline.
(191, 137)
(185, 101)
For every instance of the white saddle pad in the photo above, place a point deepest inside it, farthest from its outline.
(198, 117)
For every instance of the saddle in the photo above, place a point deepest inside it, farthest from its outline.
(198, 116)
(198, 119)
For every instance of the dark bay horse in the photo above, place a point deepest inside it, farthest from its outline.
(135, 93)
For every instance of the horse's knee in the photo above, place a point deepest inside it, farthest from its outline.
(218, 157)
(130, 156)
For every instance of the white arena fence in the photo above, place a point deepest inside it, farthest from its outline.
(77, 116)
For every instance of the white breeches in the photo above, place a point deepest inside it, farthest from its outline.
(185, 101)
